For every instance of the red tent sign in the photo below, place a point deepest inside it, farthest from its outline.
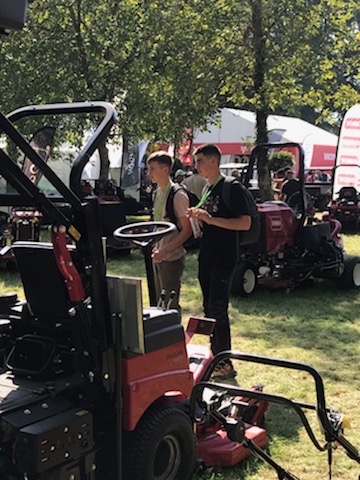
(347, 172)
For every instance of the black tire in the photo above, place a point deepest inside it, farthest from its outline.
(244, 280)
(351, 276)
(162, 447)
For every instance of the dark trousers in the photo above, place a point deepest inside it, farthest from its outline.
(215, 281)
(168, 277)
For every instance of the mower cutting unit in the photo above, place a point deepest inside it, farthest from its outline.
(294, 245)
(93, 385)
(220, 403)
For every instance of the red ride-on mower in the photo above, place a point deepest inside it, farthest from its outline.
(214, 447)
(345, 204)
(93, 386)
(294, 246)
(21, 225)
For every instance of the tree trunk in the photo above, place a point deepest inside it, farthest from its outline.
(263, 158)
(104, 161)
(262, 108)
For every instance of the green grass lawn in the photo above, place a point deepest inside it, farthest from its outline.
(319, 325)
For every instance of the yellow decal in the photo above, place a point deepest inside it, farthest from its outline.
(74, 233)
(345, 422)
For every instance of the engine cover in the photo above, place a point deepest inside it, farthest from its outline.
(278, 227)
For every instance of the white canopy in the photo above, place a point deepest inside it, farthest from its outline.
(236, 133)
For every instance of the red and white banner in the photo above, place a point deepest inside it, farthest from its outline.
(347, 171)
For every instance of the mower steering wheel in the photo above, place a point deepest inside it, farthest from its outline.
(144, 234)
(294, 202)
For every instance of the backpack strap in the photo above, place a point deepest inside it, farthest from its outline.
(226, 190)
(169, 209)
(226, 194)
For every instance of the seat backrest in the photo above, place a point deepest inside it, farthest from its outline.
(348, 194)
(43, 284)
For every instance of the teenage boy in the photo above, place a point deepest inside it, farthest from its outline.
(168, 254)
(218, 249)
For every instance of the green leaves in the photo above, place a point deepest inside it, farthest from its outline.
(170, 64)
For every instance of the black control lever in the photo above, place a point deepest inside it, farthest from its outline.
(171, 298)
(161, 301)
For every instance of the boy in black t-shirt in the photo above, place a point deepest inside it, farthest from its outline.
(218, 249)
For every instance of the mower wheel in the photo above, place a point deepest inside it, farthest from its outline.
(351, 276)
(162, 447)
(244, 280)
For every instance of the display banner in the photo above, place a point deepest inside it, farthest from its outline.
(42, 142)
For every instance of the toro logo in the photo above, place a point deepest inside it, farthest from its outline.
(352, 123)
(275, 223)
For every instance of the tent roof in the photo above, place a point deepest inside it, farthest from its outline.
(239, 126)
(235, 133)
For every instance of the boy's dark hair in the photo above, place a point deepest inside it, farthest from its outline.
(209, 150)
(162, 157)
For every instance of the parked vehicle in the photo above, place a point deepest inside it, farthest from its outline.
(88, 363)
(345, 201)
(294, 244)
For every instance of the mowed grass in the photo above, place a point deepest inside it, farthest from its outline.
(317, 324)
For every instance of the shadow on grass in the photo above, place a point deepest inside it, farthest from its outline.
(11, 279)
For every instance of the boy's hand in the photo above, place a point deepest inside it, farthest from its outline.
(158, 255)
(200, 214)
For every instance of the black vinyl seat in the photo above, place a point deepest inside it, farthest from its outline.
(40, 339)
(43, 284)
(348, 195)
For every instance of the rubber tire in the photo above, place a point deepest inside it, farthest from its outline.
(244, 280)
(351, 276)
(164, 431)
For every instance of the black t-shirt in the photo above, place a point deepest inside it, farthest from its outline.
(290, 187)
(219, 244)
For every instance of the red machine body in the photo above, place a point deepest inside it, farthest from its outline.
(146, 378)
(294, 245)
(168, 375)
(278, 226)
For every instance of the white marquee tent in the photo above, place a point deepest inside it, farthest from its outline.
(236, 133)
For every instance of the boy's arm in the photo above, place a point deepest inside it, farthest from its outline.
(240, 223)
(184, 233)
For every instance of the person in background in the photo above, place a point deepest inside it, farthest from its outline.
(235, 173)
(310, 177)
(168, 254)
(321, 176)
(290, 186)
(277, 182)
(195, 183)
(218, 248)
(179, 176)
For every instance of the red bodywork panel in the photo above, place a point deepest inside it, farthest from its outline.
(149, 377)
(199, 356)
(217, 449)
(278, 226)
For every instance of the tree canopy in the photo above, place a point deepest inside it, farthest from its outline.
(170, 64)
